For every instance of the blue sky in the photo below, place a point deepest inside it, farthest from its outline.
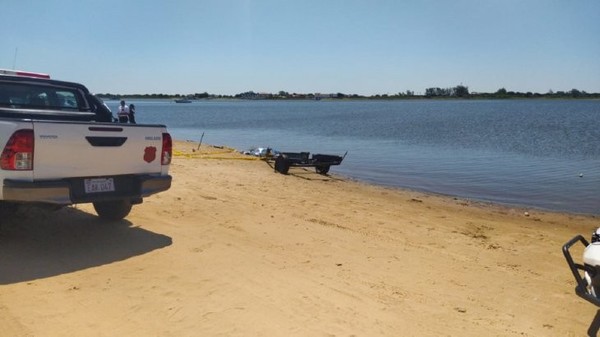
(328, 46)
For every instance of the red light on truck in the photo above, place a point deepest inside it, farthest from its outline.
(167, 149)
(18, 152)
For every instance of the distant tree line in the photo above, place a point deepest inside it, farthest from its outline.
(504, 94)
(160, 96)
(457, 92)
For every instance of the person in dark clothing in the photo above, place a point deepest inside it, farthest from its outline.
(131, 113)
(103, 113)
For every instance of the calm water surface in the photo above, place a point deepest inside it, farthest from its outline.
(533, 153)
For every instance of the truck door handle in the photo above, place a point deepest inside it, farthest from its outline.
(106, 141)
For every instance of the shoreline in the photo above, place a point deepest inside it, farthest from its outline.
(474, 200)
(234, 249)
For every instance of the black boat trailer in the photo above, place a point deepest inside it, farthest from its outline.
(321, 162)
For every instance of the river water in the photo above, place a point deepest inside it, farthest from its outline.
(532, 153)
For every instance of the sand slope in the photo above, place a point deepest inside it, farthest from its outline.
(234, 249)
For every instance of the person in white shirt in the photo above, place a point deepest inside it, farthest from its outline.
(123, 113)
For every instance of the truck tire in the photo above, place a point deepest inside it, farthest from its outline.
(113, 210)
(7, 211)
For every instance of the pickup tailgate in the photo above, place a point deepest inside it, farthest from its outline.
(69, 150)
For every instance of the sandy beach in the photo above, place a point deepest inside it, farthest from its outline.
(234, 249)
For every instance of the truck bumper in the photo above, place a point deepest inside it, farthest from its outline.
(71, 191)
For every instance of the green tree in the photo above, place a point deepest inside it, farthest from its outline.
(461, 91)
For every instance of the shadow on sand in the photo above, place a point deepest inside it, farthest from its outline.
(38, 243)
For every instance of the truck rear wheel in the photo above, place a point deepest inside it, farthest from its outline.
(113, 210)
(8, 209)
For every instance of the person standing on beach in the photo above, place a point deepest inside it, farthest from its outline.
(131, 113)
(123, 113)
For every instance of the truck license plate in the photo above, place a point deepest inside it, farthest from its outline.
(97, 185)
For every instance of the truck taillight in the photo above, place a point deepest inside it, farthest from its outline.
(18, 152)
(167, 149)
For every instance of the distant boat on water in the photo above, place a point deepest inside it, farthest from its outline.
(183, 100)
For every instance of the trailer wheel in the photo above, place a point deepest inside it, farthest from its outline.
(322, 169)
(113, 210)
(282, 165)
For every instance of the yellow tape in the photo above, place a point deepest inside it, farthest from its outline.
(213, 155)
(229, 158)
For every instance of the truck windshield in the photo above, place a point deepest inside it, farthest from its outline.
(28, 96)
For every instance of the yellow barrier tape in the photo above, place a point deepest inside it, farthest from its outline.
(229, 158)
(179, 153)
(214, 155)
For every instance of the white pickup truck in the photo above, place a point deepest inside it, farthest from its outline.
(60, 146)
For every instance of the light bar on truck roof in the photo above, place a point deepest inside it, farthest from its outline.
(23, 73)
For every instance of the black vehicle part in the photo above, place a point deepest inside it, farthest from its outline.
(576, 268)
(113, 209)
(282, 165)
(322, 169)
(321, 162)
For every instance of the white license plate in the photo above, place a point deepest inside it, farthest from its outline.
(98, 185)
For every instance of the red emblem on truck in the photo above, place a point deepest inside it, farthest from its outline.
(149, 154)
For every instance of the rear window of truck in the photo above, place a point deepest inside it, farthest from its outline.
(42, 97)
